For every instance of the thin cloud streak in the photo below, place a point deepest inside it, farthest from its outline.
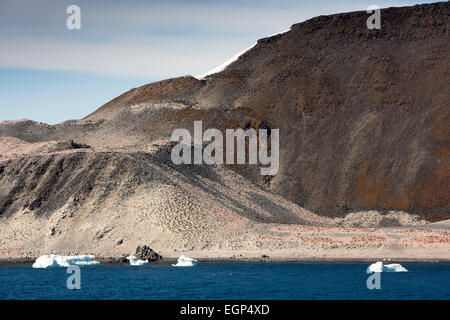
(146, 39)
(108, 59)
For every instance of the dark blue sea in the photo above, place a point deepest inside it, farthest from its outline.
(231, 281)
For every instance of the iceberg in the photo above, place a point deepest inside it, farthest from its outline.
(55, 261)
(136, 262)
(184, 261)
(380, 267)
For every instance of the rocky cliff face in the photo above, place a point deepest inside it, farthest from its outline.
(363, 114)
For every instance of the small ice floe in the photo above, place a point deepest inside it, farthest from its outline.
(136, 262)
(380, 267)
(184, 261)
(55, 261)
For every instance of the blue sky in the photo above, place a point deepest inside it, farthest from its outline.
(50, 74)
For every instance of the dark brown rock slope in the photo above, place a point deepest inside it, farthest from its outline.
(363, 114)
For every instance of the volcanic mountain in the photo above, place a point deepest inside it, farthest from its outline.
(364, 126)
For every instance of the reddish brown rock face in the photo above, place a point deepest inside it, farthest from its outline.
(363, 114)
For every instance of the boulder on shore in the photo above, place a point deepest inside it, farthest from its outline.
(146, 253)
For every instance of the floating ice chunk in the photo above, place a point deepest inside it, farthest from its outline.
(184, 261)
(380, 267)
(136, 262)
(55, 261)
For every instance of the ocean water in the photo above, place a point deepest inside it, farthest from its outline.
(226, 281)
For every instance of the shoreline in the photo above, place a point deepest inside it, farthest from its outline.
(117, 260)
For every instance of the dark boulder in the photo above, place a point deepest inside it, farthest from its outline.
(146, 253)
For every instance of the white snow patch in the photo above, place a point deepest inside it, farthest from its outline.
(231, 60)
(275, 34)
(136, 262)
(380, 267)
(55, 261)
(224, 65)
(184, 261)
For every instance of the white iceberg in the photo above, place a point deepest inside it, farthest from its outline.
(136, 262)
(184, 261)
(380, 267)
(55, 261)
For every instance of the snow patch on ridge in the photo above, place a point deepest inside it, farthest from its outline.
(231, 60)
(224, 65)
(55, 261)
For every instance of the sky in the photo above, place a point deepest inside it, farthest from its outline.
(50, 73)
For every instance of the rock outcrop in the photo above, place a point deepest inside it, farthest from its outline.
(146, 253)
(363, 114)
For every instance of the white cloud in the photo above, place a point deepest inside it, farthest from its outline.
(157, 39)
(109, 58)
